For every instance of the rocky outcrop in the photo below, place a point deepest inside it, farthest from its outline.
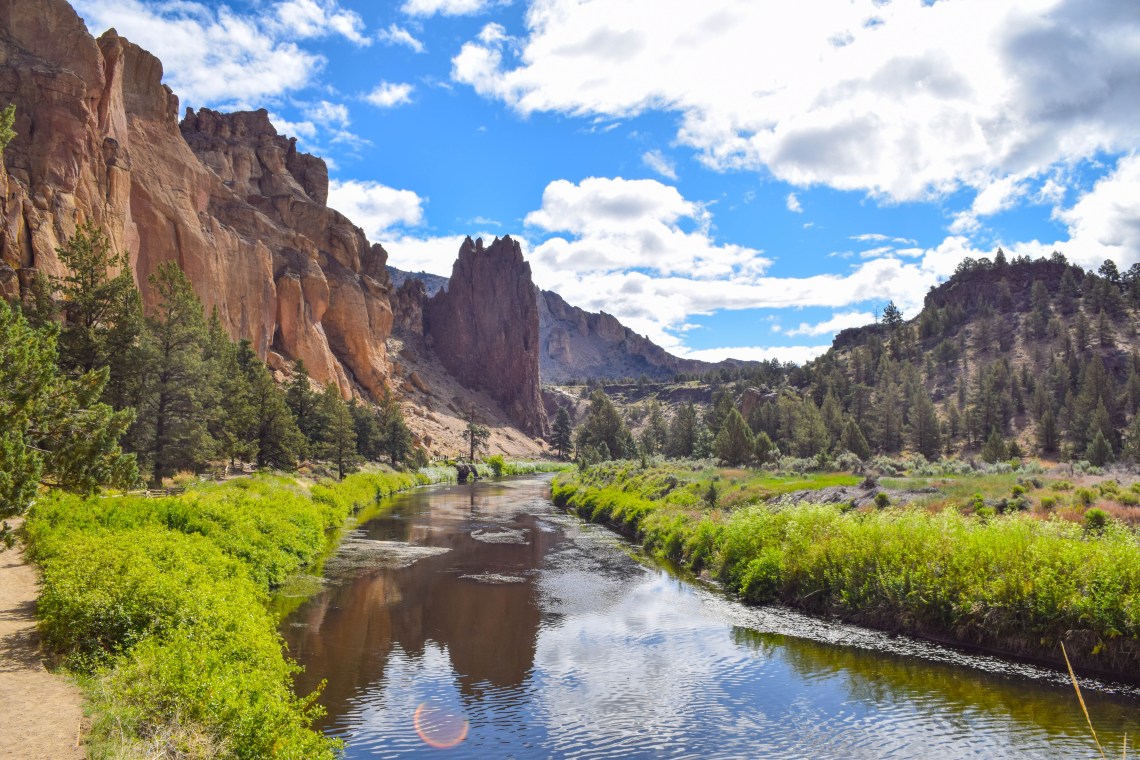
(484, 328)
(578, 344)
(235, 204)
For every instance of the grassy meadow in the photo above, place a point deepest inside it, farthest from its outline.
(1010, 562)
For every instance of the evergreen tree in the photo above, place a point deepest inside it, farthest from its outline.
(924, 426)
(604, 425)
(303, 403)
(854, 441)
(892, 316)
(1099, 450)
(734, 443)
(366, 425)
(7, 119)
(273, 434)
(475, 435)
(563, 435)
(994, 449)
(763, 448)
(230, 415)
(1047, 436)
(102, 311)
(338, 440)
(397, 438)
(56, 432)
(683, 432)
(170, 433)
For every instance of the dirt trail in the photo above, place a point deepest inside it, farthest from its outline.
(40, 713)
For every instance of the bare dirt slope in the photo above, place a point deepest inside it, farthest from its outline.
(42, 712)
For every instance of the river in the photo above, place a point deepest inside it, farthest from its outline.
(482, 621)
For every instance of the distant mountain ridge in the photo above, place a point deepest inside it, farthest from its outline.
(580, 345)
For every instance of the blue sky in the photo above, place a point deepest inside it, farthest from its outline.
(732, 177)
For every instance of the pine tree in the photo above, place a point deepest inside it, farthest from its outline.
(338, 441)
(170, 432)
(303, 403)
(230, 415)
(734, 443)
(102, 311)
(763, 448)
(56, 432)
(924, 431)
(1099, 450)
(854, 441)
(397, 438)
(563, 434)
(1047, 436)
(366, 425)
(476, 436)
(994, 449)
(892, 316)
(604, 425)
(273, 434)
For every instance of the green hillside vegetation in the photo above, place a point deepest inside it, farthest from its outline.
(1007, 359)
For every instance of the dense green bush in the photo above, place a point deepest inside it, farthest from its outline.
(161, 604)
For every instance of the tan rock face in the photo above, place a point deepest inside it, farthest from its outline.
(235, 204)
(484, 328)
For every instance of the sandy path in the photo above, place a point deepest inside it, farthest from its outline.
(40, 713)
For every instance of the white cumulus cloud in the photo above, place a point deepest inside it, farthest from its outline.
(793, 204)
(906, 100)
(447, 7)
(390, 94)
(309, 18)
(840, 321)
(376, 208)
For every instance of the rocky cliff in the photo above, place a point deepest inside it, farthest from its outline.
(235, 204)
(484, 328)
(578, 344)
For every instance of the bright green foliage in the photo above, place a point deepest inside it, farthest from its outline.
(1099, 451)
(563, 432)
(163, 601)
(1011, 581)
(734, 444)
(55, 432)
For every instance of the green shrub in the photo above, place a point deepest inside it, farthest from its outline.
(497, 464)
(882, 500)
(163, 603)
(985, 513)
(1062, 485)
(1048, 503)
(1018, 490)
(1096, 520)
(1085, 496)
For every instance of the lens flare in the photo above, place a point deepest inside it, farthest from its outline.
(438, 727)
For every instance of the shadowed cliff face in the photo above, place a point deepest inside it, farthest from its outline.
(240, 210)
(578, 344)
(484, 328)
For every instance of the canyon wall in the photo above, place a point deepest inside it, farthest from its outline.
(235, 204)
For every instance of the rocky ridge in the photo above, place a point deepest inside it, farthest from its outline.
(244, 214)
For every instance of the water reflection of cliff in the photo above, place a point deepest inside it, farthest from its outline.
(489, 630)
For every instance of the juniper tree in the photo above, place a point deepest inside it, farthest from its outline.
(734, 443)
(562, 437)
(56, 432)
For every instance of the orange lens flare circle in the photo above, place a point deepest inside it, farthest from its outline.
(438, 727)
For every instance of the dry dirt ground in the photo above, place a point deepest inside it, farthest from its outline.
(41, 713)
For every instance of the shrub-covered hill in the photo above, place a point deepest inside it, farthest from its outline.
(1007, 358)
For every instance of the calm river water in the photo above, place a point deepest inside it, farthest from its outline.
(481, 621)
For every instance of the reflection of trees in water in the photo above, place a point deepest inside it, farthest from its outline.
(488, 630)
(955, 693)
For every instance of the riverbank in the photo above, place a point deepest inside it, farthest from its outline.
(1014, 584)
(159, 607)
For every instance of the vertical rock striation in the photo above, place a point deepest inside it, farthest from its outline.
(484, 328)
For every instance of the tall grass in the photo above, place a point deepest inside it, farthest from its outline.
(160, 606)
(1011, 583)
